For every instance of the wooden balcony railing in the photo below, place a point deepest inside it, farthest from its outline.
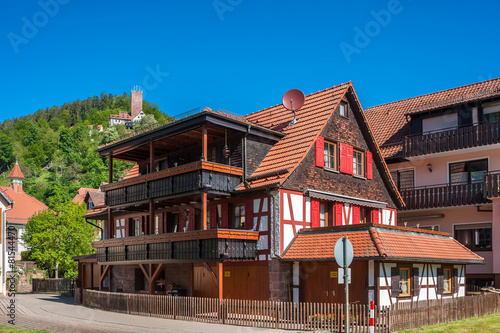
(461, 137)
(203, 245)
(444, 196)
(185, 178)
(492, 184)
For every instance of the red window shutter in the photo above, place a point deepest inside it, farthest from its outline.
(314, 213)
(249, 214)
(192, 223)
(225, 215)
(369, 165)
(182, 220)
(345, 158)
(355, 215)
(213, 217)
(375, 216)
(320, 152)
(339, 207)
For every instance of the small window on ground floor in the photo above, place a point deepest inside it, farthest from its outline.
(404, 281)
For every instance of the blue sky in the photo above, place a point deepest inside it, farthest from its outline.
(240, 55)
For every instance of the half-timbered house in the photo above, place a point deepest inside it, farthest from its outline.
(215, 200)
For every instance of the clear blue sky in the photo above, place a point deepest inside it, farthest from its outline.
(240, 55)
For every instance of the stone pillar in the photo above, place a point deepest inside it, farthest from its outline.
(280, 280)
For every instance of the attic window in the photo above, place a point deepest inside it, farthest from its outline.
(343, 109)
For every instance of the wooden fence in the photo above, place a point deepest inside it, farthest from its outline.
(294, 316)
(54, 285)
(411, 315)
(266, 314)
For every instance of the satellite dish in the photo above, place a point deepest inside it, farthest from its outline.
(293, 100)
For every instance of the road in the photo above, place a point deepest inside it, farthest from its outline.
(56, 313)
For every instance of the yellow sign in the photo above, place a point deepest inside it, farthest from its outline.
(227, 273)
(333, 274)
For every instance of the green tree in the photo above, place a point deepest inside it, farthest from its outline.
(146, 123)
(55, 237)
(6, 152)
(110, 135)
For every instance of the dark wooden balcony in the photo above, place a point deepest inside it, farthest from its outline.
(186, 178)
(462, 137)
(492, 184)
(444, 196)
(191, 246)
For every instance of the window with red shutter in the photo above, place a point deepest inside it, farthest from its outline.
(225, 216)
(346, 165)
(314, 213)
(375, 216)
(191, 218)
(356, 218)
(319, 152)
(213, 217)
(182, 220)
(339, 207)
(369, 165)
(249, 214)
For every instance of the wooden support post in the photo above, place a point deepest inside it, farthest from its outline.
(204, 208)
(110, 224)
(204, 145)
(151, 218)
(110, 169)
(220, 277)
(102, 276)
(151, 157)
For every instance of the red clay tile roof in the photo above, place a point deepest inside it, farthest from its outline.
(81, 193)
(372, 241)
(290, 150)
(25, 206)
(97, 198)
(134, 172)
(16, 172)
(389, 123)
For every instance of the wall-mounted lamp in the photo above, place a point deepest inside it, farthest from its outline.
(429, 166)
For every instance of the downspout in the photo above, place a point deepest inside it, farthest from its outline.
(95, 225)
(245, 156)
(273, 225)
(4, 246)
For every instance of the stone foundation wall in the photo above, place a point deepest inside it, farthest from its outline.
(123, 277)
(280, 278)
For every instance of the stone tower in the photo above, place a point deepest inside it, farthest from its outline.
(136, 103)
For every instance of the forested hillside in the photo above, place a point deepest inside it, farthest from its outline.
(56, 147)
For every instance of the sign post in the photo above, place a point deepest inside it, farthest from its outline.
(343, 255)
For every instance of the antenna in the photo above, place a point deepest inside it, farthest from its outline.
(293, 100)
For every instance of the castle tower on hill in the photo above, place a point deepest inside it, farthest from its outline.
(136, 102)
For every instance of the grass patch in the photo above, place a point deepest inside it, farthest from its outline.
(484, 324)
(11, 329)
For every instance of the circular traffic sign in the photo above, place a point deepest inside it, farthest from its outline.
(339, 251)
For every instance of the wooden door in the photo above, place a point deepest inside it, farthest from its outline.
(319, 282)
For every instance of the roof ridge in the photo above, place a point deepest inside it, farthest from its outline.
(428, 94)
(375, 236)
(311, 94)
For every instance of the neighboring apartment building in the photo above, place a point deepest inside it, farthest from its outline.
(25, 207)
(443, 150)
(240, 207)
(135, 115)
(6, 204)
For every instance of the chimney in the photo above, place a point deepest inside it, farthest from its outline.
(136, 103)
(16, 178)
